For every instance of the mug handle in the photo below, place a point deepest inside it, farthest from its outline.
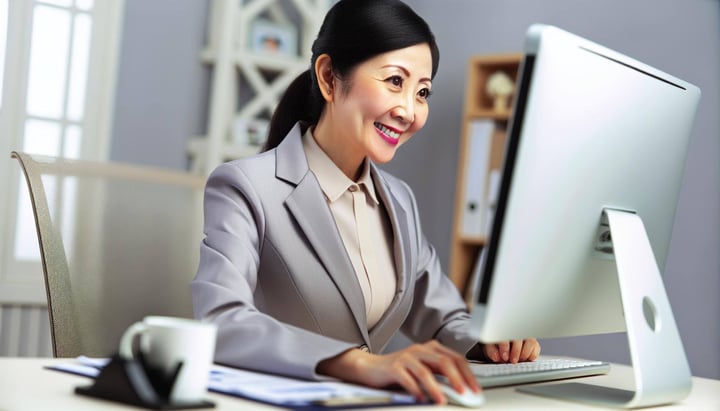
(126, 342)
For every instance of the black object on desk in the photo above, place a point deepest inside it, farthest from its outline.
(135, 382)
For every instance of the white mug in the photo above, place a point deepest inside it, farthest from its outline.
(166, 341)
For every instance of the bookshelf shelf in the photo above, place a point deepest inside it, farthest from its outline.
(482, 150)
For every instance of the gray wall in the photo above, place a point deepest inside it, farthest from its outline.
(162, 100)
(162, 87)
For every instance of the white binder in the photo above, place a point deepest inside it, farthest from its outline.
(474, 201)
(493, 191)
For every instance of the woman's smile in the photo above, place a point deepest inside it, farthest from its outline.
(391, 135)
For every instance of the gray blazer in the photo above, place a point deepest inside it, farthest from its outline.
(276, 279)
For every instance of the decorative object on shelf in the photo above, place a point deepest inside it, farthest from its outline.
(272, 38)
(500, 87)
(250, 132)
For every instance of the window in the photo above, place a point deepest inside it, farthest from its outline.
(58, 58)
(3, 37)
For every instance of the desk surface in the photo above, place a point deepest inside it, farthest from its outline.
(26, 385)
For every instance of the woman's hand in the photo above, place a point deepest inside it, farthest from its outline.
(513, 351)
(412, 368)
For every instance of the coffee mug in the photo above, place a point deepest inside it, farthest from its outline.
(165, 342)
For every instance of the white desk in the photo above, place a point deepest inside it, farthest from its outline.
(26, 385)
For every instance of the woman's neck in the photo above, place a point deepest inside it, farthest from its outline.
(340, 150)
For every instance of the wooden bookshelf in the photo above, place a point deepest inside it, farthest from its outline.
(465, 247)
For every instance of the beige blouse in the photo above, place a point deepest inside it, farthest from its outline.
(364, 227)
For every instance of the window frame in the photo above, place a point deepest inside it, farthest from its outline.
(22, 282)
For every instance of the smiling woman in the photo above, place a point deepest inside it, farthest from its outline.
(314, 258)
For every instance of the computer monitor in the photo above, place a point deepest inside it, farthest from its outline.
(594, 163)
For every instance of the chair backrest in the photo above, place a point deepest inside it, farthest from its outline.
(117, 243)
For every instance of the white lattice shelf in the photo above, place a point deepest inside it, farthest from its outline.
(232, 58)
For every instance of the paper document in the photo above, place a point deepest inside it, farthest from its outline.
(290, 391)
(269, 388)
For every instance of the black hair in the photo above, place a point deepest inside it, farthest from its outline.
(353, 32)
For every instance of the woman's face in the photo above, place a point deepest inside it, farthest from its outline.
(382, 103)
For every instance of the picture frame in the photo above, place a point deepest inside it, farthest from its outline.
(271, 38)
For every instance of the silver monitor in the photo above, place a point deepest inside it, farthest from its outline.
(593, 168)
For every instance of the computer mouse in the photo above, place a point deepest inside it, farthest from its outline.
(468, 398)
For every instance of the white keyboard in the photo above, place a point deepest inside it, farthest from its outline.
(544, 369)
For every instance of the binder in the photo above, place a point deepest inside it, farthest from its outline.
(478, 160)
(493, 192)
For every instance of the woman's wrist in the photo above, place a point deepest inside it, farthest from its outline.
(477, 353)
(344, 366)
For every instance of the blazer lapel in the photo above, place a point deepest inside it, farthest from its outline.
(391, 321)
(307, 205)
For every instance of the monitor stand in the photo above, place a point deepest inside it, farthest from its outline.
(662, 374)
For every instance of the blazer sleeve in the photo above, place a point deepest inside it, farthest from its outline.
(438, 311)
(223, 291)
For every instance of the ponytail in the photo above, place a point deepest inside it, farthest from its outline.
(299, 103)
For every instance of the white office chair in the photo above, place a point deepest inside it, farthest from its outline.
(117, 242)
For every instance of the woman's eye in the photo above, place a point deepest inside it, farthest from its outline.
(425, 93)
(396, 81)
